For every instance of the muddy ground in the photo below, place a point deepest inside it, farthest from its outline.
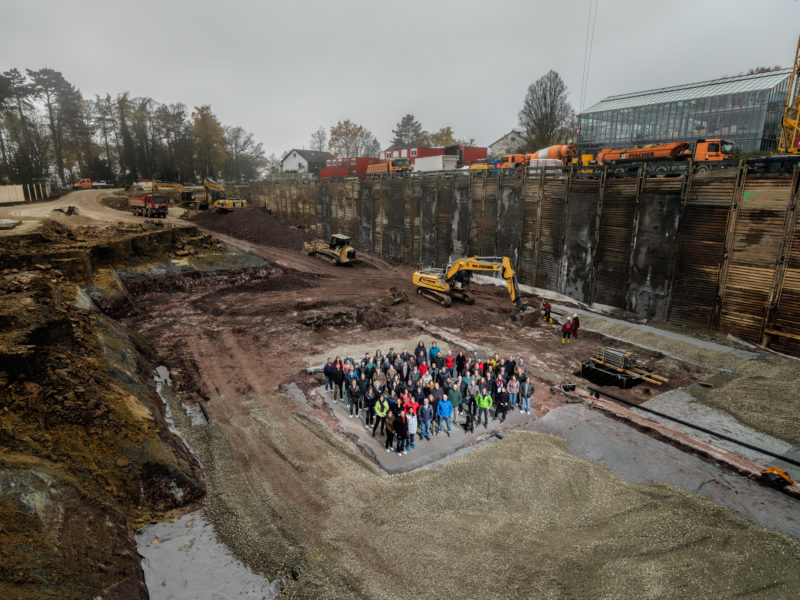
(294, 498)
(86, 456)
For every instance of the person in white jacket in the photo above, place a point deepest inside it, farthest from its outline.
(411, 421)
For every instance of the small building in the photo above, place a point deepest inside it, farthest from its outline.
(304, 161)
(745, 110)
(511, 143)
(352, 166)
(466, 154)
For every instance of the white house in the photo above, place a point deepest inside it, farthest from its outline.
(510, 143)
(304, 161)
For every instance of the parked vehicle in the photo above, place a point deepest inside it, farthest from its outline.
(87, 184)
(703, 150)
(149, 206)
(442, 162)
(395, 165)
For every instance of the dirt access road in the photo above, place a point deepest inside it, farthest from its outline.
(90, 212)
(294, 497)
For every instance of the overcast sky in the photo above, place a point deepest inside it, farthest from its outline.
(282, 69)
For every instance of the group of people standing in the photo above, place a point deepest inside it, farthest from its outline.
(410, 396)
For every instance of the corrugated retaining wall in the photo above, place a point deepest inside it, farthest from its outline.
(720, 251)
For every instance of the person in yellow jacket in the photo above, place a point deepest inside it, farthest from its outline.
(484, 402)
(381, 408)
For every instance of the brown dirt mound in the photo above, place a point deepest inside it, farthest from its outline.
(254, 225)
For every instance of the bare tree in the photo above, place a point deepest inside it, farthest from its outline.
(319, 140)
(546, 117)
(368, 144)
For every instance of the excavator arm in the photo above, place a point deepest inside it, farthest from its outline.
(478, 264)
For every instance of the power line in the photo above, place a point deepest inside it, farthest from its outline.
(587, 51)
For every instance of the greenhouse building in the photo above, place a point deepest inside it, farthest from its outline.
(745, 110)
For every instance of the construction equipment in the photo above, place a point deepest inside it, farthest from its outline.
(160, 186)
(338, 250)
(149, 205)
(443, 285)
(703, 150)
(395, 296)
(513, 161)
(394, 165)
(214, 196)
(619, 367)
(789, 142)
(563, 152)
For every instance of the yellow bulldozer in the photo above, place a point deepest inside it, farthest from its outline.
(445, 285)
(338, 251)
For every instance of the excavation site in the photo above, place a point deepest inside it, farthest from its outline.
(172, 427)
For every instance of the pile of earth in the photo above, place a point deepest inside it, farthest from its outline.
(254, 225)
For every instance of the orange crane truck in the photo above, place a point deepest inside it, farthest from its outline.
(703, 150)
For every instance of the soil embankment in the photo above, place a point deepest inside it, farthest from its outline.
(85, 455)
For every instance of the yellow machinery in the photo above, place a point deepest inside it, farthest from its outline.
(160, 186)
(790, 127)
(214, 197)
(338, 251)
(443, 286)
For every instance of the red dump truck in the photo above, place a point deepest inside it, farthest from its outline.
(149, 206)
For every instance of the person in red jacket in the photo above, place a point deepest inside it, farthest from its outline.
(411, 406)
(566, 331)
(449, 361)
(547, 308)
(575, 325)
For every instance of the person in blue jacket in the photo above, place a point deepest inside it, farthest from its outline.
(445, 411)
(433, 353)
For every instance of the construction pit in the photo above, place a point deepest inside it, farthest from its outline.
(583, 498)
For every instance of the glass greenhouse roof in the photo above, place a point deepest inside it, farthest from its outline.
(688, 91)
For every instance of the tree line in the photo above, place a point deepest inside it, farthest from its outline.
(546, 118)
(50, 132)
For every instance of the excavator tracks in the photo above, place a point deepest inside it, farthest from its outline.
(439, 297)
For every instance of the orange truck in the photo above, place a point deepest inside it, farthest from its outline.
(513, 161)
(703, 150)
(87, 184)
(395, 165)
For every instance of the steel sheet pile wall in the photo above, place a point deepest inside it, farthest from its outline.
(617, 205)
(720, 251)
(551, 233)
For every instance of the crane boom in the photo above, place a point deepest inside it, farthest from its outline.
(790, 126)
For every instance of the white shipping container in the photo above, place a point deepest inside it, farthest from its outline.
(436, 163)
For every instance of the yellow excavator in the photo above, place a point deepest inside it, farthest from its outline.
(214, 197)
(160, 186)
(444, 285)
